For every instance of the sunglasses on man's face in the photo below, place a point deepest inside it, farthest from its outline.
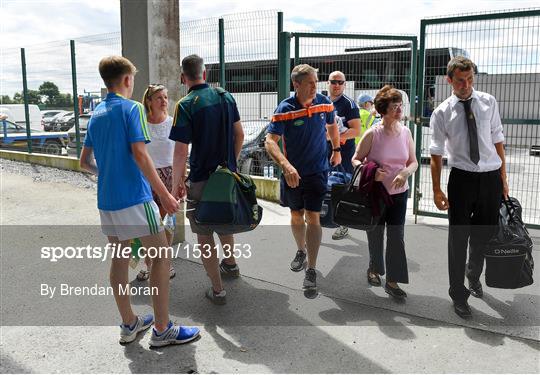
(336, 82)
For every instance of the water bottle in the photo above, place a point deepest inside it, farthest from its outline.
(271, 171)
(135, 245)
(265, 174)
(169, 222)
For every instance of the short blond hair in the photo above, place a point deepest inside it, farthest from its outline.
(112, 68)
(299, 72)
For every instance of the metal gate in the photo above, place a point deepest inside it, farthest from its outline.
(506, 49)
(368, 62)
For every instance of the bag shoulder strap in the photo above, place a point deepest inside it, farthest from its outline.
(355, 175)
(224, 131)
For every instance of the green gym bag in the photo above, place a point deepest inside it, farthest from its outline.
(228, 203)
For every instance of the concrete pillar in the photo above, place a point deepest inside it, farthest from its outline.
(151, 40)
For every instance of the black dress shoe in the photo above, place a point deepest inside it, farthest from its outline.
(476, 289)
(394, 292)
(463, 309)
(373, 279)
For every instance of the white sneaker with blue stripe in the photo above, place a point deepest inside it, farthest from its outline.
(129, 333)
(174, 335)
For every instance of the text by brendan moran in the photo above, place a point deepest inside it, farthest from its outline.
(96, 290)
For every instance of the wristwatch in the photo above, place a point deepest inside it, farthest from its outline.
(337, 149)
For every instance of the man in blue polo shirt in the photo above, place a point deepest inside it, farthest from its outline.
(348, 114)
(302, 121)
(117, 136)
(198, 120)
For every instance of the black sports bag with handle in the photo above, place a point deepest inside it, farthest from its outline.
(509, 262)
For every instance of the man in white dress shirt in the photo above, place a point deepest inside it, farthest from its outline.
(470, 125)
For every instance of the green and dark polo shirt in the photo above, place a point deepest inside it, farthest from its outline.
(198, 120)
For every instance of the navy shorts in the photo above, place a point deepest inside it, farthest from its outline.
(308, 195)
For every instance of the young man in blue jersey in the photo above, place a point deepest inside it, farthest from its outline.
(347, 111)
(302, 120)
(117, 135)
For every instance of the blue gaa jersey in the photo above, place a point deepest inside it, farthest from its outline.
(118, 122)
(304, 132)
(347, 109)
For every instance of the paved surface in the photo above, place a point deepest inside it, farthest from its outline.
(268, 324)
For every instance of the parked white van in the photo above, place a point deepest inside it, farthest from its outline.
(15, 113)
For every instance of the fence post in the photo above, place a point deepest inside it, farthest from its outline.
(296, 49)
(25, 96)
(282, 68)
(75, 97)
(418, 114)
(284, 65)
(412, 98)
(279, 25)
(222, 53)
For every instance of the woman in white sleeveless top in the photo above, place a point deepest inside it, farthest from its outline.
(156, 102)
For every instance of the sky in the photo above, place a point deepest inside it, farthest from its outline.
(31, 23)
(27, 22)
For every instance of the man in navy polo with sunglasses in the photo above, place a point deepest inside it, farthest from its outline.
(349, 116)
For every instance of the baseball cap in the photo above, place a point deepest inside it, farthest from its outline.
(364, 98)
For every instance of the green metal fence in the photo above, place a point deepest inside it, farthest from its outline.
(368, 62)
(58, 77)
(240, 52)
(246, 53)
(506, 49)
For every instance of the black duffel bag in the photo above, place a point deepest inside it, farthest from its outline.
(509, 262)
(352, 208)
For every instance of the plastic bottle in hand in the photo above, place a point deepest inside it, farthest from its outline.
(169, 222)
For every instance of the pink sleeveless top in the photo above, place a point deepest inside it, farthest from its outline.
(391, 153)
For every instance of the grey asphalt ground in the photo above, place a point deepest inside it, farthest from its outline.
(268, 325)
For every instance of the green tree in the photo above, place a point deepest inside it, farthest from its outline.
(33, 97)
(5, 99)
(49, 90)
(64, 100)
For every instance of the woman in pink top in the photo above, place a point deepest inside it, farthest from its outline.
(391, 146)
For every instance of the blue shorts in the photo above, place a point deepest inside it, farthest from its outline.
(308, 195)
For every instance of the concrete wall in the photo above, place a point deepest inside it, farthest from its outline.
(60, 162)
(267, 188)
(134, 31)
(151, 40)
